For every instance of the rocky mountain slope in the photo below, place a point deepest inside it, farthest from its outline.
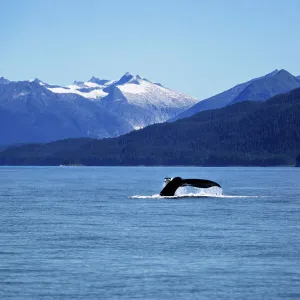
(29, 112)
(260, 89)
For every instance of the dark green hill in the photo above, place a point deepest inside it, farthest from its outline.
(246, 133)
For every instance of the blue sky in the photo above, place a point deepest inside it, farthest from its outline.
(193, 46)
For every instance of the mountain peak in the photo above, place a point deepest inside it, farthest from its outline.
(124, 79)
(98, 80)
(4, 80)
(280, 72)
(79, 83)
(283, 72)
(272, 73)
(127, 74)
(36, 80)
(136, 79)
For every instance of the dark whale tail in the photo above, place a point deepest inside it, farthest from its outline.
(173, 184)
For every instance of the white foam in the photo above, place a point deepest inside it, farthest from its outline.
(183, 192)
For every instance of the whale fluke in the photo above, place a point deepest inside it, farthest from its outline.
(174, 183)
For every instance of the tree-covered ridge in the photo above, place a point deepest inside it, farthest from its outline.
(246, 133)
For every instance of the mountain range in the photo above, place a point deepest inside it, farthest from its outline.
(35, 111)
(29, 112)
(136, 100)
(244, 133)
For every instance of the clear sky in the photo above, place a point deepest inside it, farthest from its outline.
(193, 46)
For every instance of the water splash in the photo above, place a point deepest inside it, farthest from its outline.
(188, 192)
(157, 196)
(196, 192)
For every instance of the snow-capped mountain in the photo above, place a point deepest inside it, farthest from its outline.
(86, 89)
(137, 100)
(141, 102)
(30, 112)
(35, 111)
(260, 89)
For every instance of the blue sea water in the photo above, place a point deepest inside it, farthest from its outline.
(104, 233)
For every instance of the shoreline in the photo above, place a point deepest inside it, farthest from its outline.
(148, 166)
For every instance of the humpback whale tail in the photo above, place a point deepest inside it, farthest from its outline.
(174, 183)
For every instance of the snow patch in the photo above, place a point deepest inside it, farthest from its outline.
(92, 84)
(71, 89)
(147, 94)
(133, 88)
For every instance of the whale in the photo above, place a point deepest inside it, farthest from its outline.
(172, 184)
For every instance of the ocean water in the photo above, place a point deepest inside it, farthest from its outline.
(104, 233)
